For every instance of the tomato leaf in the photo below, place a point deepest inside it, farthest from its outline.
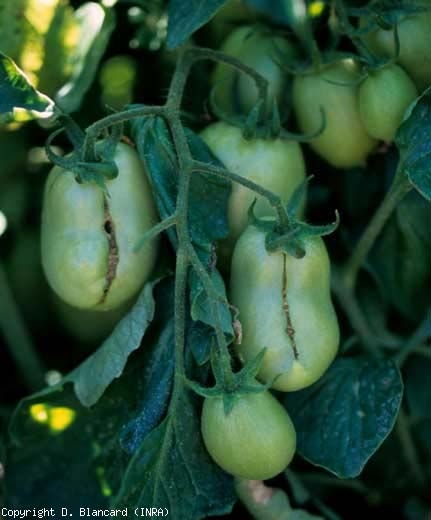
(16, 91)
(344, 417)
(412, 139)
(156, 390)
(98, 371)
(187, 16)
(95, 25)
(63, 454)
(173, 470)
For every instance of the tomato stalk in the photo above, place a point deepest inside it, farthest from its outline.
(402, 429)
(271, 197)
(398, 190)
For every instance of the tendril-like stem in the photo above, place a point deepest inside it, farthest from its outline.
(271, 197)
(399, 188)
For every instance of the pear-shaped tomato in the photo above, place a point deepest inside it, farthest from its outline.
(88, 238)
(383, 99)
(256, 440)
(284, 306)
(344, 142)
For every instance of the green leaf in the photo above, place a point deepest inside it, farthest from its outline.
(98, 371)
(173, 470)
(187, 16)
(200, 306)
(16, 91)
(95, 25)
(156, 391)
(67, 455)
(413, 138)
(344, 417)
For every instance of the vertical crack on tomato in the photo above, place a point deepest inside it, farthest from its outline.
(289, 327)
(109, 229)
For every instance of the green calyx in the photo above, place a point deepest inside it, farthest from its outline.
(287, 232)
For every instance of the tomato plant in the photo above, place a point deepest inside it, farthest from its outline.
(198, 316)
(255, 440)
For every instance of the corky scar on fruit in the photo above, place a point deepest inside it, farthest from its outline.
(289, 326)
(113, 258)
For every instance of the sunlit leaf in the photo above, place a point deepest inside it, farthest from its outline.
(17, 92)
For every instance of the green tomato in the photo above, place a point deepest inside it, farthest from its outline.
(415, 43)
(261, 51)
(344, 142)
(285, 306)
(383, 99)
(277, 164)
(256, 440)
(88, 238)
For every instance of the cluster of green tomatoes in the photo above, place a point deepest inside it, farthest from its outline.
(284, 302)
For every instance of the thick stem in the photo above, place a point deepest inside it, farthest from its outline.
(180, 314)
(156, 230)
(399, 188)
(17, 338)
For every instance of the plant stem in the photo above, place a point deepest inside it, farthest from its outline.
(399, 188)
(402, 429)
(421, 334)
(350, 306)
(18, 339)
(156, 230)
(94, 130)
(271, 197)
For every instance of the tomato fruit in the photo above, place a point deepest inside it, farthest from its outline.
(277, 164)
(88, 238)
(415, 42)
(383, 99)
(256, 440)
(284, 305)
(344, 142)
(259, 50)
